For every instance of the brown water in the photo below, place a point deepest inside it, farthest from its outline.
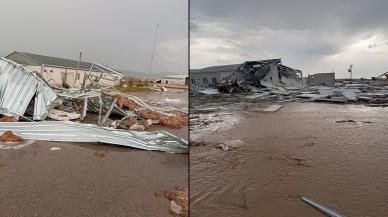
(88, 180)
(298, 151)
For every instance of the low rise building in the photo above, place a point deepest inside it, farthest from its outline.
(212, 75)
(175, 79)
(60, 72)
(324, 79)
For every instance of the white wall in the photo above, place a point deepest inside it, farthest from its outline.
(209, 76)
(56, 75)
(177, 81)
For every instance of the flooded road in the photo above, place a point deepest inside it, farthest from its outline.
(88, 180)
(335, 154)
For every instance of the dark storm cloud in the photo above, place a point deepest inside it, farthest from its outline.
(315, 36)
(119, 33)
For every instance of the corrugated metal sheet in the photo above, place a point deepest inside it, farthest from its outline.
(17, 87)
(76, 132)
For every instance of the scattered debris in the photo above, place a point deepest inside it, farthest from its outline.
(8, 136)
(346, 121)
(179, 119)
(179, 202)
(322, 208)
(55, 149)
(258, 95)
(269, 78)
(273, 108)
(100, 154)
(230, 145)
(137, 127)
(209, 91)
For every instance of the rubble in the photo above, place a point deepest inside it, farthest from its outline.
(273, 108)
(269, 78)
(8, 119)
(62, 115)
(8, 136)
(179, 202)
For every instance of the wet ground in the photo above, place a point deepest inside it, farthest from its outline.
(83, 179)
(177, 98)
(335, 154)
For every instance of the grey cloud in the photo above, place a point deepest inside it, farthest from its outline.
(119, 33)
(350, 15)
(315, 36)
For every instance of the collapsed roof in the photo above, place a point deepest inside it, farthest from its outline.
(18, 87)
(261, 73)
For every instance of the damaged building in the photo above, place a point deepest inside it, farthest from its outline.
(246, 76)
(20, 87)
(60, 72)
(38, 111)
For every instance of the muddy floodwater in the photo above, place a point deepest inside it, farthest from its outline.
(333, 153)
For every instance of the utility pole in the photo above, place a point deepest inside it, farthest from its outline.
(350, 70)
(153, 49)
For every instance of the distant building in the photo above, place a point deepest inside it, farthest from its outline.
(324, 79)
(60, 72)
(175, 79)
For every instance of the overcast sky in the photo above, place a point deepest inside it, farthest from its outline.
(311, 35)
(118, 33)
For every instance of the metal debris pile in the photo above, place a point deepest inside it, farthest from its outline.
(96, 111)
(268, 79)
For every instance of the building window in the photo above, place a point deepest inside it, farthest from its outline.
(45, 70)
(214, 80)
(51, 71)
(192, 81)
(78, 76)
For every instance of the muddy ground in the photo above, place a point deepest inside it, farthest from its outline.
(333, 153)
(83, 179)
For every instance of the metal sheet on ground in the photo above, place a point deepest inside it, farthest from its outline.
(76, 132)
(273, 108)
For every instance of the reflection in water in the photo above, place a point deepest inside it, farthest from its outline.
(304, 149)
